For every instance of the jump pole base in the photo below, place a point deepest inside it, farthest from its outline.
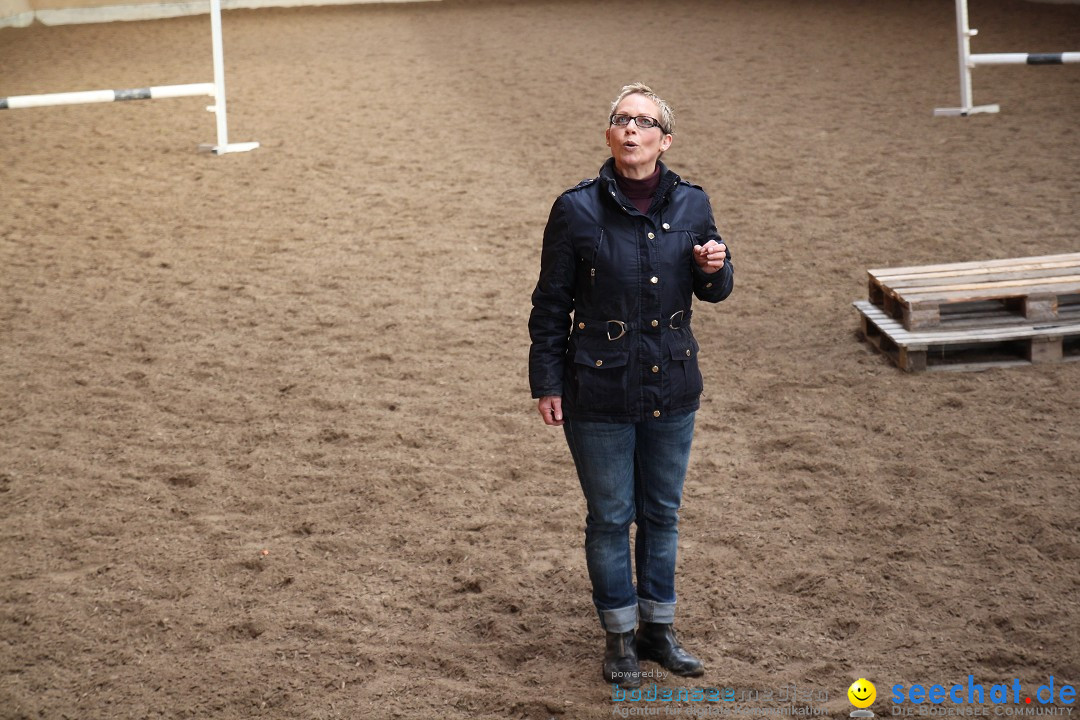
(964, 112)
(230, 148)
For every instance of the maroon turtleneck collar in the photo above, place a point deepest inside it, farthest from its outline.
(639, 192)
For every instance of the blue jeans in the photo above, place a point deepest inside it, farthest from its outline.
(632, 473)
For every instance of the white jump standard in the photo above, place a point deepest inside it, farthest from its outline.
(964, 33)
(215, 90)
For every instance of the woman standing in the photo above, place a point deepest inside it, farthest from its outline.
(624, 253)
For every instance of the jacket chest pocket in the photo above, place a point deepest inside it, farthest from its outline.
(684, 374)
(601, 375)
(679, 247)
(588, 250)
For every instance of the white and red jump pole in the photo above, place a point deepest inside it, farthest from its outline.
(215, 90)
(968, 61)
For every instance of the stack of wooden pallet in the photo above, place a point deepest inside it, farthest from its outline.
(975, 315)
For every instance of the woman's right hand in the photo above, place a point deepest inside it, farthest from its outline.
(550, 407)
(710, 256)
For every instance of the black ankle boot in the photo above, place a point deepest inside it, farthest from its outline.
(657, 642)
(621, 660)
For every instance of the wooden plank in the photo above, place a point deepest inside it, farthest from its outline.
(876, 292)
(1003, 262)
(1038, 307)
(977, 366)
(1035, 308)
(952, 297)
(1022, 329)
(872, 334)
(1046, 350)
(1018, 327)
(912, 359)
(939, 279)
(1061, 285)
(1000, 311)
(1059, 267)
(920, 317)
(961, 321)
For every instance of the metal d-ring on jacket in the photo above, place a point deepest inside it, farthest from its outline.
(628, 278)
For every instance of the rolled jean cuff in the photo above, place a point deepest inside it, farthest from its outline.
(656, 612)
(619, 620)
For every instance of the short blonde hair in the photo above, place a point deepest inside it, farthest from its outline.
(667, 115)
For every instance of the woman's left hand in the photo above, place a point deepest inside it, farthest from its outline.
(710, 256)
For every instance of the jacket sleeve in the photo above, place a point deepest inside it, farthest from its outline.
(714, 287)
(552, 303)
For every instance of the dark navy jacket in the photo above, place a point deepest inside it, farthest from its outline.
(628, 278)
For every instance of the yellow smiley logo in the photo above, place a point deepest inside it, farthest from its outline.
(862, 693)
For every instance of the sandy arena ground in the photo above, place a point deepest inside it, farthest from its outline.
(268, 447)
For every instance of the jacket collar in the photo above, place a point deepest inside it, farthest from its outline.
(668, 180)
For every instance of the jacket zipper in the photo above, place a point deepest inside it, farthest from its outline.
(596, 255)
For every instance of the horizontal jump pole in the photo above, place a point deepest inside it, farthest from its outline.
(1060, 58)
(104, 96)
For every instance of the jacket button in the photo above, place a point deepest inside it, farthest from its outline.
(666, 226)
(651, 236)
(687, 352)
(601, 362)
(654, 279)
(581, 326)
(656, 413)
(656, 368)
(654, 323)
(708, 285)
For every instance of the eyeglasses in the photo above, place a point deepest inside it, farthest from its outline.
(644, 122)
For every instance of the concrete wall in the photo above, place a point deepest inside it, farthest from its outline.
(20, 13)
(16, 12)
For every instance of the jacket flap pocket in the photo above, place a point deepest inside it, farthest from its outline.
(683, 350)
(601, 357)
